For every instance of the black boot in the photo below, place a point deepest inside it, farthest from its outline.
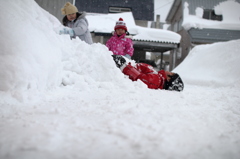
(119, 60)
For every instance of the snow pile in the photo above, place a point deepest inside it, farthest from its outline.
(105, 23)
(34, 57)
(230, 10)
(214, 65)
(29, 55)
(63, 98)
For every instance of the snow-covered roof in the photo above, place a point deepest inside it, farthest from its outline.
(104, 23)
(230, 10)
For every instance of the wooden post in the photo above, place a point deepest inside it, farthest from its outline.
(158, 21)
(101, 39)
(161, 64)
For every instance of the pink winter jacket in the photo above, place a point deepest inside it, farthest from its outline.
(120, 45)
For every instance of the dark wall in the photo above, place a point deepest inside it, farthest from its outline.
(141, 9)
(53, 7)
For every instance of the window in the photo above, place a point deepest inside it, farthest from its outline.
(210, 14)
(119, 9)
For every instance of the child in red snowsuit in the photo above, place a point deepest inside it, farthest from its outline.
(153, 79)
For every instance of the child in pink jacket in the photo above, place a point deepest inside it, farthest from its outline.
(119, 44)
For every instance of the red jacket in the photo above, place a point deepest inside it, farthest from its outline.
(146, 73)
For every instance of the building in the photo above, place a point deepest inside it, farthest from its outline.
(142, 10)
(53, 7)
(202, 22)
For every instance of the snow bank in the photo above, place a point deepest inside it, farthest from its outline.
(213, 64)
(34, 58)
(28, 55)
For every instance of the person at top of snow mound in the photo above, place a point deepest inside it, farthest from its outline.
(76, 23)
(120, 43)
(153, 79)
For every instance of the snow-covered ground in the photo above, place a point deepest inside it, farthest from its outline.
(64, 99)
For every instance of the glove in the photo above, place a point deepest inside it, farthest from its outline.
(127, 56)
(67, 31)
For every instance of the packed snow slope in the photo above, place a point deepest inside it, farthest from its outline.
(213, 65)
(62, 98)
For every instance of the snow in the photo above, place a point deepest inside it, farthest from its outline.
(62, 98)
(157, 35)
(204, 57)
(230, 10)
(231, 16)
(104, 23)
